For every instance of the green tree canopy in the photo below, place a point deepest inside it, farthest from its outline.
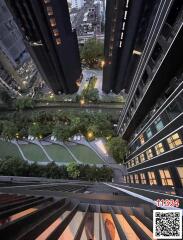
(92, 52)
(24, 103)
(9, 130)
(73, 170)
(13, 167)
(117, 147)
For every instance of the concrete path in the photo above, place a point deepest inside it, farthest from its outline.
(21, 152)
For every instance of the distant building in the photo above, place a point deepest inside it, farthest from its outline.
(11, 43)
(50, 40)
(77, 3)
(13, 54)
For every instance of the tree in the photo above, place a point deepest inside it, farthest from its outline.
(73, 170)
(52, 171)
(24, 103)
(118, 148)
(62, 131)
(92, 52)
(11, 166)
(9, 130)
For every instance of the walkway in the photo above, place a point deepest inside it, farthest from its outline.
(118, 170)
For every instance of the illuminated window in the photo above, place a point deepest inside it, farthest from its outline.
(174, 141)
(142, 141)
(127, 179)
(158, 124)
(143, 178)
(131, 179)
(180, 171)
(165, 177)
(55, 32)
(142, 158)
(149, 133)
(133, 162)
(129, 164)
(159, 148)
(53, 22)
(136, 178)
(137, 160)
(49, 11)
(152, 179)
(149, 154)
(58, 41)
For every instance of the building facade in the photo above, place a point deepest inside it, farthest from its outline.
(126, 30)
(50, 40)
(151, 121)
(77, 3)
(11, 43)
(13, 53)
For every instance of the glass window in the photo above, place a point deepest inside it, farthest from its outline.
(53, 22)
(136, 178)
(152, 179)
(124, 179)
(127, 179)
(49, 10)
(133, 162)
(143, 178)
(129, 164)
(174, 141)
(149, 133)
(149, 154)
(142, 141)
(158, 124)
(180, 171)
(142, 158)
(174, 109)
(55, 32)
(165, 177)
(58, 41)
(159, 148)
(137, 160)
(131, 179)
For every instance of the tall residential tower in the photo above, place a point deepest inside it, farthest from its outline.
(52, 43)
(151, 120)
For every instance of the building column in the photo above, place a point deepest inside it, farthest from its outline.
(176, 180)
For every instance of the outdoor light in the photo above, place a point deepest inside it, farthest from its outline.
(40, 136)
(82, 101)
(102, 64)
(90, 134)
(24, 82)
(137, 52)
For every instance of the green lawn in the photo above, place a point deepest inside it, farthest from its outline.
(33, 153)
(58, 153)
(9, 149)
(85, 154)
